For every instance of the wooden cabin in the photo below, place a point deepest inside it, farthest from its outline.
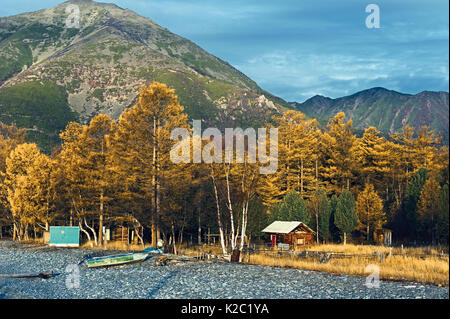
(121, 233)
(296, 234)
(383, 236)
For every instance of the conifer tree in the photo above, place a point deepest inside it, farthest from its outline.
(373, 158)
(21, 188)
(369, 208)
(406, 218)
(443, 216)
(338, 147)
(428, 210)
(142, 146)
(345, 217)
(320, 210)
(334, 231)
(292, 208)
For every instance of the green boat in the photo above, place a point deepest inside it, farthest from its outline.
(121, 259)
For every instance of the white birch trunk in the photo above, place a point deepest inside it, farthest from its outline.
(219, 221)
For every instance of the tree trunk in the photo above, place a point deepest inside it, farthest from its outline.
(368, 236)
(301, 177)
(345, 238)
(26, 233)
(173, 241)
(100, 222)
(317, 227)
(230, 210)
(244, 227)
(156, 185)
(92, 230)
(317, 176)
(199, 236)
(86, 232)
(219, 220)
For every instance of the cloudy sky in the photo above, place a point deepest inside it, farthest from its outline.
(296, 49)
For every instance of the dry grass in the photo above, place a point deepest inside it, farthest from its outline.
(352, 249)
(413, 265)
(410, 264)
(115, 245)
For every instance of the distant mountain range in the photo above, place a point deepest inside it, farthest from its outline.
(99, 67)
(389, 111)
(51, 74)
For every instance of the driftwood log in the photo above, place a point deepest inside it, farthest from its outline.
(43, 275)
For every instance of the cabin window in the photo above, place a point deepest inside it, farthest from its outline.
(300, 241)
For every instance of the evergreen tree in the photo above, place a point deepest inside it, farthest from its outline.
(292, 208)
(345, 217)
(334, 231)
(406, 219)
(320, 211)
(442, 218)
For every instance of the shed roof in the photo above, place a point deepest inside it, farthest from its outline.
(283, 227)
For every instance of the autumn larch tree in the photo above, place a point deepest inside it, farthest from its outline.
(338, 147)
(369, 208)
(142, 144)
(428, 210)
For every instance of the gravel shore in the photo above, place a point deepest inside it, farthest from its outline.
(188, 280)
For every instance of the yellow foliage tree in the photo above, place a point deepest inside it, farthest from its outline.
(338, 147)
(24, 189)
(141, 146)
(428, 209)
(369, 208)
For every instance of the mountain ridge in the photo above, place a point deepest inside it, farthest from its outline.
(388, 110)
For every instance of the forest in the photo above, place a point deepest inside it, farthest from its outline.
(341, 185)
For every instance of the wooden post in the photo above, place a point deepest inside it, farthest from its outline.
(199, 230)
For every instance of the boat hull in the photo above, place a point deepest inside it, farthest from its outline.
(116, 260)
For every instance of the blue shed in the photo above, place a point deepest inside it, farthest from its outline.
(64, 236)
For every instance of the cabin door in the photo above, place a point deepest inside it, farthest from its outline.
(273, 238)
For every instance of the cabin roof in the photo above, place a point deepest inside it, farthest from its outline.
(283, 227)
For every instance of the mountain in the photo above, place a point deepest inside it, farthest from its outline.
(389, 111)
(51, 74)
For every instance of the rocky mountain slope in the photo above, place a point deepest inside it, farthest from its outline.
(99, 67)
(389, 111)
